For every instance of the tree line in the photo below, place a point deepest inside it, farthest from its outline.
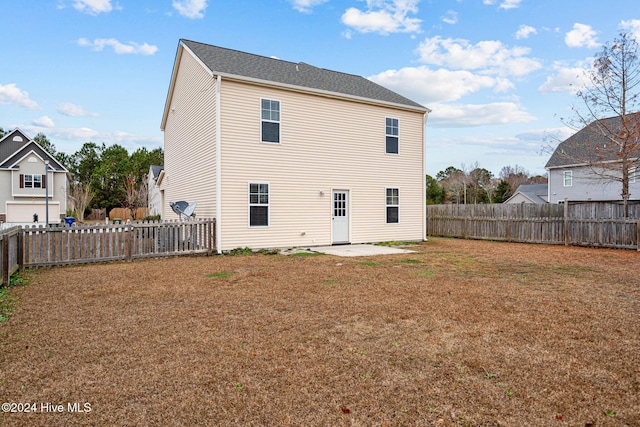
(473, 185)
(104, 177)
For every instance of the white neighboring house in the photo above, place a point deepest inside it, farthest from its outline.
(530, 193)
(155, 175)
(23, 185)
(287, 154)
(571, 171)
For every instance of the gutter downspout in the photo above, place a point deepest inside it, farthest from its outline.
(218, 143)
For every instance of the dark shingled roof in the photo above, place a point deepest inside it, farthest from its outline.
(591, 145)
(233, 62)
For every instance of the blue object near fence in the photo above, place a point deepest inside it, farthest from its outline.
(69, 220)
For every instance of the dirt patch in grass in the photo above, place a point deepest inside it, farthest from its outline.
(460, 333)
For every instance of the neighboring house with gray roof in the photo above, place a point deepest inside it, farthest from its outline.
(578, 166)
(23, 184)
(154, 177)
(530, 193)
(288, 154)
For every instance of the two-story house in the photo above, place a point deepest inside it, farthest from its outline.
(28, 174)
(286, 154)
(587, 166)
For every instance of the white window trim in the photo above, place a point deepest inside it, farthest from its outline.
(387, 205)
(271, 121)
(396, 136)
(633, 175)
(249, 204)
(564, 178)
(33, 181)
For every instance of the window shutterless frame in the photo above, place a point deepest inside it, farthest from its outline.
(567, 178)
(392, 135)
(392, 202)
(258, 204)
(270, 121)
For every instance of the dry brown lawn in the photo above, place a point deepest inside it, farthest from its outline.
(459, 333)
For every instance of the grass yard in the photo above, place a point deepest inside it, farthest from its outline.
(461, 333)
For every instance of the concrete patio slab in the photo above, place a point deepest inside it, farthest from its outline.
(359, 250)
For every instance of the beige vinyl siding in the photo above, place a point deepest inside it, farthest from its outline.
(189, 137)
(326, 144)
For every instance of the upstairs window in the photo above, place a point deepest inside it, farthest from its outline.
(393, 206)
(28, 180)
(567, 178)
(633, 174)
(270, 118)
(392, 136)
(258, 205)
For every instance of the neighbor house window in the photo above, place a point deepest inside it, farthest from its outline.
(270, 117)
(392, 136)
(393, 206)
(633, 173)
(568, 178)
(28, 180)
(258, 205)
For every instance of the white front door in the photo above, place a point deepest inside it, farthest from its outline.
(340, 216)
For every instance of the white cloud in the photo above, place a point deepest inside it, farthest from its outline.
(633, 27)
(566, 80)
(118, 47)
(384, 17)
(44, 122)
(582, 35)
(451, 17)
(306, 6)
(73, 110)
(93, 7)
(490, 56)
(505, 4)
(510, 4)
(498, 113)
(193, 9)
(430, 86)
(525, 31)
(11, 94)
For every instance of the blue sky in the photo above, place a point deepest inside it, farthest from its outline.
(498, 74)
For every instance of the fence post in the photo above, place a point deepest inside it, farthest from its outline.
(128, 230)
(4, 241)
(21, 249)
(566, 221)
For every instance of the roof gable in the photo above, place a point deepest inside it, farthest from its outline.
(13, 150)
(12, 142)
(591, 144)
(231, 63)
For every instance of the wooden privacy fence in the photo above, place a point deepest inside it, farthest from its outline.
(10, 262)
(569, 224)
(37, 246)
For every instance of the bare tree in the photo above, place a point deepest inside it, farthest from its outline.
(80, 195)
(136, 194)
(609, 123)
(515, 176)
